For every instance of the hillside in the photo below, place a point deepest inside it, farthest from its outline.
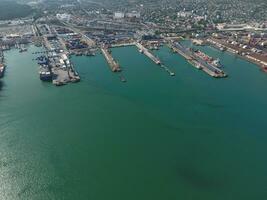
(11, 10)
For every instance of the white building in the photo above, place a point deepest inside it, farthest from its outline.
(133, 14)
(119, 15)
(63, 17)
(184, 14)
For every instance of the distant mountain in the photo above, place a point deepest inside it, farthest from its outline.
(12, 9)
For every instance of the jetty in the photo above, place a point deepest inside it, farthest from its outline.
(168, 70)
(197, 62)
(2, 64)
(114, 66)
(146, 52)
(123, 45)
(55, 64)
(156, 60)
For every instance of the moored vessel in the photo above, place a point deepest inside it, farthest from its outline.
(2, 70)
(45, 73)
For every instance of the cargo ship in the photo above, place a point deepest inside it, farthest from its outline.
(210, 60)
(45, 73)
(199, 60)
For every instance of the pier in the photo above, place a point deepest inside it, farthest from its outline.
(156, 60)
(114, 66)
(145, 51)
(123, 45)
(63, 72)
(197, 62)
(55, 65)
(168, 70)
(2, 64)
(180, 50)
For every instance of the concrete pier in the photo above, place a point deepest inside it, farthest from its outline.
(114, 66)
(62, 76)
(123, 44)
(145, 51)
(197, 62)
(57, 66)
(178, 49)
(168, 70)
(156, 60)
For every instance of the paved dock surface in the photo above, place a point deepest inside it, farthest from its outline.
(114, 66)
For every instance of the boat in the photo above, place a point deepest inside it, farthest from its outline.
(22, 50)
(195, 64)
(90, 54)
(58, 83)
(207, 59)
(122, 79)
(198, 66)
(158, 62)
(216, 62)
(75, 80)
(45, 74)
(264, 68)
(42, 60)
(2, 70)
(222, 48)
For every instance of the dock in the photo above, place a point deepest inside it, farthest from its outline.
(66, 73)
(197, 62)
(171, 73)
(146, 52)
(55, 64)
(156, 60)
(123, 45)
(114, 66)
(2, 64)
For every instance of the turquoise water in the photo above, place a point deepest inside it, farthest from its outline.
(155, 137)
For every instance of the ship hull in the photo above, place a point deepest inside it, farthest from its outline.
(46, 78)
(2, 72)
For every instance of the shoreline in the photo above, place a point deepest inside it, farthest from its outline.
(236, 53)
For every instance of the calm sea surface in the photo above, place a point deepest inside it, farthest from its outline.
(155, 137)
